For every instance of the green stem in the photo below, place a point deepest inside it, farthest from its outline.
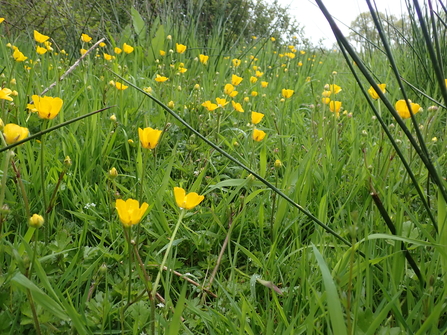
(129, 247)
(168, 249)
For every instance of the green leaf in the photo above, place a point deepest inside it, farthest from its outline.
(333, 300)
(138, 24)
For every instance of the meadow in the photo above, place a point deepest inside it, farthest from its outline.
(156, 183)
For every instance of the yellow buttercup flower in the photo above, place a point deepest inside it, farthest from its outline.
(120, 86)
(264, 84)
(117, 50)
(162, 53)
(236, 80)
(85, 38)
(335, 106)
(130, 212)
(108, 57)
(372, 92)
(160, 79)
(254, 93)
(210, 106)
(5, 94)
(335, 89)
(14, 133)
(326, 100)
(203, 59)
(326, 94)
(258, 135)
(149, 137)
(402, 108)
(221, 102)
(259, 74)
(41, 50)
(83, 51)
(180, 48)
(187, 201)
(2, 19)
(237, 106)
(36, 221)
(40, 38)
(228, 89)
(236, 62)
(47, 107)
(287, 93)
(256, 117)
(18, 56)
(127, 48)
(253, 79)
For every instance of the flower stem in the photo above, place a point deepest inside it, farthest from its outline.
(168, 249)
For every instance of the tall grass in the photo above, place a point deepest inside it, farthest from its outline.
(329, 225)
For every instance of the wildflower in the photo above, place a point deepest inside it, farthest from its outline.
(5, 94)
(171, 104)
(41, 50)
(325, 100)
(113, 173)
(197, 87)
(335, 106)
(85, 38)
(300, 63)
(117, 50)
(14, 93)
(36, 221)
(48, 45)
(256, 117)
(286, 93)
(18, 56)
(40, 38)
(272, 39)
(372, 92)
(264, 84)
(236, 62)
(149, 137)
(2, 19)
(83, 51)
(258, 135)
(13, 81)
(254, 93)
(120, 86)
(127, 48)
(180, 48)
(228, 89)
(253, 79)
(334, 88)
(107, 57)
(102, 44)
(130, 212)
(162, 53)
(237, 106)
(160, 79)
(278, 164)
(169, 37)
(203, 59)
(236, 80)
(182, 69)
(210, 106)
(148, 90)
(434, 139)
(112, 118)
(14, 133)
(259, 74)
(402, 108)
(221, 102)
(47, 107)
(187, 201)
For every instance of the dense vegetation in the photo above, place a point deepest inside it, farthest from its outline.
(319, 204)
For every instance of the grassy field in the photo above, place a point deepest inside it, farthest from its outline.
(323, 215)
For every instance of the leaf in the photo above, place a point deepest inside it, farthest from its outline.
(138, 23)
(333, 300)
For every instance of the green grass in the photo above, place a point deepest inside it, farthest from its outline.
(318, 245)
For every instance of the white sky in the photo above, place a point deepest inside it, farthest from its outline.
(308, 14)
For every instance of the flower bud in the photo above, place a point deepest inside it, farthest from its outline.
(113, 173)
(67, 161)
(113, 118)
(278, 164)
(36, 221)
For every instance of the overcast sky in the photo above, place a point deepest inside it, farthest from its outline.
(316, 27)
